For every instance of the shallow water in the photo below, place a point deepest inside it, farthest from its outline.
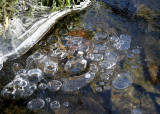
(114, 74)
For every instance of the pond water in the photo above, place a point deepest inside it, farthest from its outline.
(96, 62)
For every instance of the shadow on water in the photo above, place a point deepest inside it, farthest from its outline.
(146, 72)
(151, 95)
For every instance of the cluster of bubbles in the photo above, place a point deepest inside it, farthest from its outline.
(81, 59)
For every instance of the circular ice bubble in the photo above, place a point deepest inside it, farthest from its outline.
(76, 65)
(36, 104)
(66, 104)
(93, 68)
(97, 57)
(98, 89)
(54, 85)
(8, 90)
(107, 87)
(76, 41)
(122, 81)
(111, 57)
(33, 87)
(48, 99)
(87, 75)
(50, 68)
(105, 64)
(34, 75)
(42, 86)
(114, 38)
(83, 47)
(134, 66)
(67, 37)
(122, 45)
(42, 43)
(99, 47)
(19, 82)
(125, 37)
(135, 51)
(100, 36)
(54, 105)
(63, 32)
(104, 76)
(60, 53)
(136, 111)
(22, 71)
(36, 55)
(130, 55)
(51, 39)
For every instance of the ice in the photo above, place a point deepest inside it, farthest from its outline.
(83, 47)
(135, 51)
(99, 48)
(123, 43)
(42, 43)
(98, 89)
(125, 37)
(97, 57)
(130, 55)
(35, 75)
(33, 87)
(54, 85)
(66, 104)
(76, 64)
(60, 53)
(100, 36)
(36, 58)
(36, 103)
(54, 105)
(104, 76)
(50, 68)
(42, 86)
(134, 66)
(1, 64)
(77, 82)
(76, 41)
(136, 111)
(107, 87)
(63, 32)
(93, 68)
(123, 80)
(51, 39)
(111, 57)
(25, 30)
(22, 71)
(105, 65)
(18, 88)
(114, 38)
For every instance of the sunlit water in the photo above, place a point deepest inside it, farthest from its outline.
(97, 63)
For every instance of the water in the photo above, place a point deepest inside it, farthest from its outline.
(88, 72)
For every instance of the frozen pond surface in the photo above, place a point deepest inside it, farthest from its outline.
(98, 61)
